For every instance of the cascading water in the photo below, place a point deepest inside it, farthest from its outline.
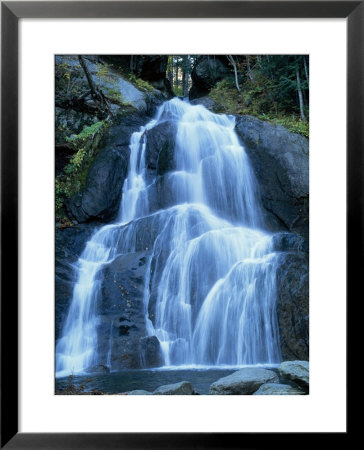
(210, 284)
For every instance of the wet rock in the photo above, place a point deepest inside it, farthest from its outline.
(296, 371)
(182, 388)
(278, 389)
(159, 152)
(100, 198)
(139, 392)
(151, 352)
(293, 305)
(121, 312)
(98, 369)
(207, 102)
(280, 160)
(243, 382)
(69, 244)
(288, 242)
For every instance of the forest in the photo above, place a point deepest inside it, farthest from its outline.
(274, 88)
(182, 224)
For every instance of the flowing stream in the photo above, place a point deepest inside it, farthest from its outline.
(210, 290)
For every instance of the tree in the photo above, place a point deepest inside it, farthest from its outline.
(96, 93)
(231, 60)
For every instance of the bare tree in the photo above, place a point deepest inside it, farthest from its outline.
(300, 97)
(231, 60)
(96, 93)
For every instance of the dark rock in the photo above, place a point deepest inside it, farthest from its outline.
(288, 242)
(278, 389)
(159, 152)
(100, 199)
(151, 68)
(280, 162)
(63, 155)
(98, 369)
(151, 352)
(207, 102)
(296, 371)
(69, 244)
(208, 70)
(293, 305)
(69, 121)
(182, 388)
(121, 313)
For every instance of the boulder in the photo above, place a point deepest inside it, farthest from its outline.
(207, 71)
(117, 88)
(280, 160)
(207, 102)
(182, 388)
(139, 392)
(243, 382)
(293, 305)
(278, 389)
(296, 371)
(160, 144)
(151, 68)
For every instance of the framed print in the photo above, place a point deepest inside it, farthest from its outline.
(182, 177)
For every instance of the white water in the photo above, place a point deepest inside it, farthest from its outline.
(210, 289)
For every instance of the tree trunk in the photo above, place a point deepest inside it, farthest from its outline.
(300, 98)
(231, 59)
(184, 75)
(98, 96)
(248, 69)
(93, 87)
(306, 69)
(176, 74)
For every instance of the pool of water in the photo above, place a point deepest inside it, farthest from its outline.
(148, 380)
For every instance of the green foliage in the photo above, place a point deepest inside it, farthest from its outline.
(74, 175)
(140, 84)
(255, 99)
(68, 81)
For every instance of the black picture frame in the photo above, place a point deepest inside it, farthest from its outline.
(11, 12)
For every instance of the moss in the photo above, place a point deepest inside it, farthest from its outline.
(140, 84)
(73, 178)
(254, 99)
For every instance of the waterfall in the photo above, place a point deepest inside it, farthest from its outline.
(210, 290)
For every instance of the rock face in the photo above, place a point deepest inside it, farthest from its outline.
(69, 243)
(151, 68)
(278, 389)
(293, 305)
(280, 162)
(123, 343)
(296, 371)
(243, 382)
(182, 388)
(159, 152)
(101, 196)
(118, 89)
(207, 71)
